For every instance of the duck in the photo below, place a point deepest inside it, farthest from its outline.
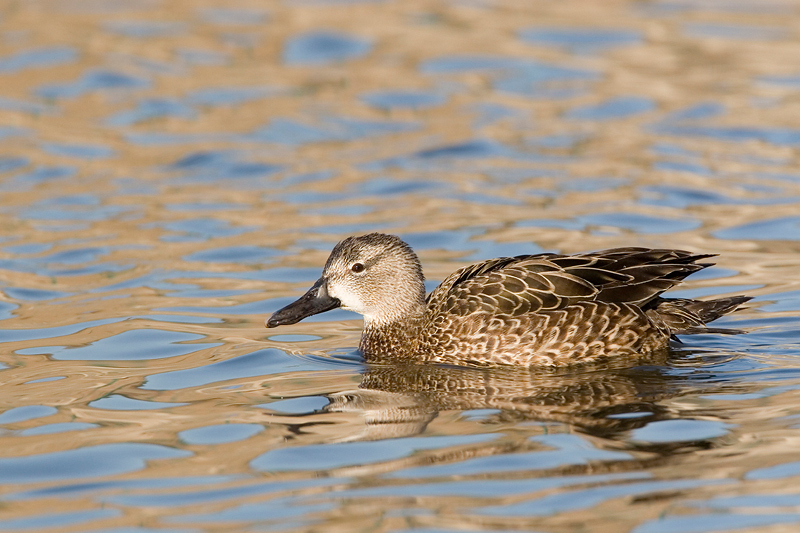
(539, 310)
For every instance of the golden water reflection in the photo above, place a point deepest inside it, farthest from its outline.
(173, 172)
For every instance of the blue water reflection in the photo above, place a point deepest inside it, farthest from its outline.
(197, 229)
(234, 254)
(404, 99)
(38, 175)
(229, 96)
(699, 523)
(790, 81)
(447, 157)
(278, 511)
(210, 166)
(784, 470)
(324, 47)
(731, 31)
(306, 404)
(94, 487)
(621, 221)
(28, 412)
(776, 136)
(340, 455)
(786, 228)
(7, 164)
(559, 503)
(26, 106)
(6, 309)
(38, 58)
(568, 450)
(12, 335)
(98, 80)
(144, 29)
(91, 461)
(518, 76)
(176, 498)
(683, 166)
(32, 295)
(117, 402)
(51, 520)
(150, 109)
(691, 122)
(489, 488)
(258, 363)
(220, 434)
(681, 430)
(326, 129)
(129, 345)
(581, 40)
(616, 108)
(62, 427)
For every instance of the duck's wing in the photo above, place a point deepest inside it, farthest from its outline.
(531, 283)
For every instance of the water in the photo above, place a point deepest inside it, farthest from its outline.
(171, 174)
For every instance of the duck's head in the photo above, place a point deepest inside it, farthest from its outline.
(376, 275)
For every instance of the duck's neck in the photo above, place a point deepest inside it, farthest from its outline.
(392, 340)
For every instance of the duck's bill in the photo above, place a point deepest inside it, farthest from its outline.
(315, 301)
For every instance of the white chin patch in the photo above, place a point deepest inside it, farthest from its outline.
(350, 300)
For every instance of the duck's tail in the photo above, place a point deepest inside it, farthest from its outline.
(685, 317)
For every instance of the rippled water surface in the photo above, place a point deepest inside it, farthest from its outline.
(173, 172)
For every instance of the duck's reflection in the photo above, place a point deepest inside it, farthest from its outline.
(400, 401)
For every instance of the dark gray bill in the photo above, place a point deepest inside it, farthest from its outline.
(315, 301)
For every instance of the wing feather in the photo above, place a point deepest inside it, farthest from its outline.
(514, 286)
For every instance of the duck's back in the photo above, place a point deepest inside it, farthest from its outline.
(552, 309)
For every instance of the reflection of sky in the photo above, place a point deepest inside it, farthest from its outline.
(620, 107)
(319, 48)
(92, 81)
(580, 40)
(38, 58)
(731, 31)
(403, 99)
(168, 180)
(427, 166)
(526, 77)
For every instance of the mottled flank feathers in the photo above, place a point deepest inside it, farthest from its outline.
(543, 309)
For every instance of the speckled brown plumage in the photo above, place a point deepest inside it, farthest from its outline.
(543, 309)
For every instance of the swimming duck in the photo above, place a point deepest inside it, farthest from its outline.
(535, 310)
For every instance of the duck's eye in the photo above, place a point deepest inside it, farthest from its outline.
(357, 267)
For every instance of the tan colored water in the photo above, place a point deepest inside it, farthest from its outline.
(173, 172)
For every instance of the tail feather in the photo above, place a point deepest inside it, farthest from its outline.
(713, 309)
(684, 316)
